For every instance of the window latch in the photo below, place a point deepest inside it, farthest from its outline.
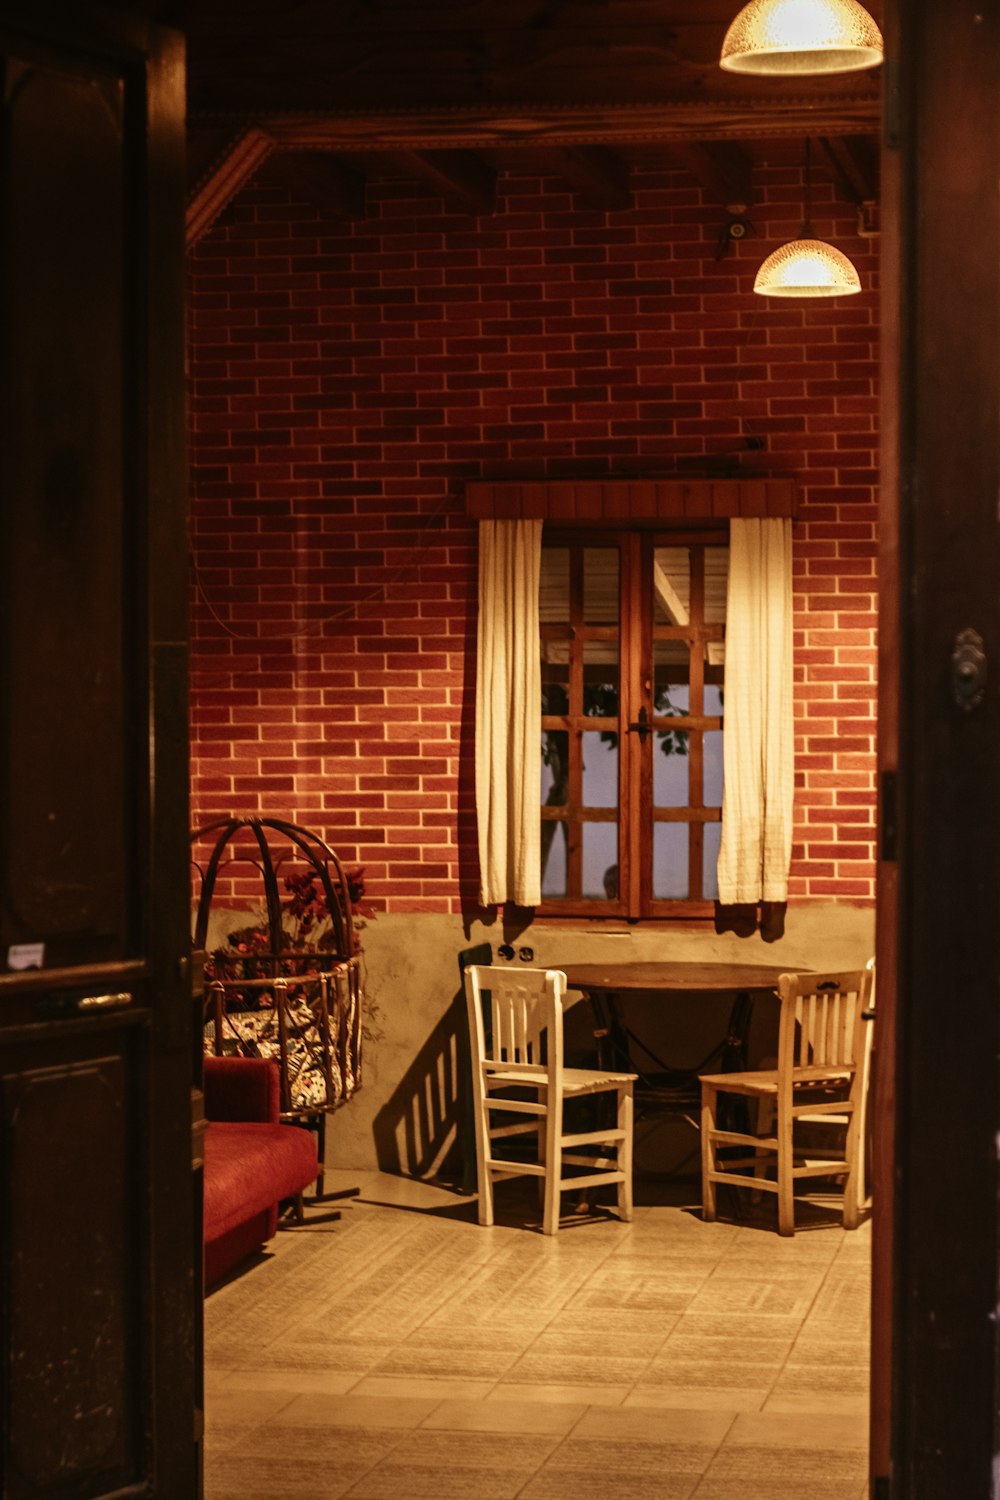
(642, 726)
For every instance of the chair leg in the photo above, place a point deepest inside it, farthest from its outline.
(625, 1154)
(786, 1182)
(708, 1107)
(484, 1177)
(550, 1143)
(765, 1126)
(854, 1183)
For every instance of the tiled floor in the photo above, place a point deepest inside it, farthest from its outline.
(404, 1352)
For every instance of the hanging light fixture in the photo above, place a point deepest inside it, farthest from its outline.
(807, 267)
(801, 36)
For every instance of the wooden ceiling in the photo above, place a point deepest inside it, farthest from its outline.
(324, 94)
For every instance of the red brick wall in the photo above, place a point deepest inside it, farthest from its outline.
(346, 380)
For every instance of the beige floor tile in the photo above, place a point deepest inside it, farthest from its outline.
(602, 1366)
(789, 1430)
(752, 1487)
(227, 1405)
(788, 1466)
(569, 1484)
(642, 1461)
(355, 1410)
(505, 1416)
(278, 1477)
(661, 1426)
(295, 1382)
(421, 1387)
(835, 1403)
(584, 1395)
(700, 1398)
(462, 1465)
(695, 1375)
(815, 1379)
(741, 1297)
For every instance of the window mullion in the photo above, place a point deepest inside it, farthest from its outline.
(636, 699)
(696, 759)
(574, 826)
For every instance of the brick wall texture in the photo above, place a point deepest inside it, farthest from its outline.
(347, 379)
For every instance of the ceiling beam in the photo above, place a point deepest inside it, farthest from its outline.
(463, 180)
(232, 171)
(476, 127)
(335, 190)
(722, 168)
(854, 160)
(597, 173)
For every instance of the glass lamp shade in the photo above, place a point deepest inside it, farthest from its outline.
(801, 36)
(806, 268)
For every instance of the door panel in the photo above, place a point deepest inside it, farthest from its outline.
(75, 1341)
(65, 438)
(99, 1272)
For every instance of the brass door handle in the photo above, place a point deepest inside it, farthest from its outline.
(104, 1002)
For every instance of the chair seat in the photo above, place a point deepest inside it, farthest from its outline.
(766, 1081)
(575, 1080)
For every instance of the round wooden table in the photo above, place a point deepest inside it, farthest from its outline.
(664, 1087)
(674, 978)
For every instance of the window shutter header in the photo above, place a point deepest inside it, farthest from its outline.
(630, 501)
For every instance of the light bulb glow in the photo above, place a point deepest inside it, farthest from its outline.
(807, 268)
(801, 36)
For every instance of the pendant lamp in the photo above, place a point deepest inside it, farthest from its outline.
(801, 36)
(807, 267)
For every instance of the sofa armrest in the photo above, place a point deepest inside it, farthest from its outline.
(242, 1088)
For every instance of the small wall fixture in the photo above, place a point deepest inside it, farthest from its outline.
(807, 267)
(801, 36)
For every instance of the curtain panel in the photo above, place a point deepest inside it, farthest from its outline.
(509, 713)
(759, 743)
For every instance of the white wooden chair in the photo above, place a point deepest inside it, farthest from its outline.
(516, 1032)
(824, 1051)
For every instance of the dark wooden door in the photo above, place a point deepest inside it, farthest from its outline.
(97, 1272)
(936, 1333)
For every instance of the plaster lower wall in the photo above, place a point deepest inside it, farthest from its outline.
(406, 1116)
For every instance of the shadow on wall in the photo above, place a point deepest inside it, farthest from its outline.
(425, 1127)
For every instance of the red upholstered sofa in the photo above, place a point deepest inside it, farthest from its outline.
(252, 1162)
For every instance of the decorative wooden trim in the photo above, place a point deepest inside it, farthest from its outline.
(474, 126)
(630, 500)
(250, 147)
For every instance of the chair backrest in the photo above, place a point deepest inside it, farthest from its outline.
(515, 1018)
(822, 1023)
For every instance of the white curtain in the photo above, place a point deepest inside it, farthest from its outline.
(759, 744)
(509, 713)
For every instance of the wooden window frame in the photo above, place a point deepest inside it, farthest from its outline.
(636, 632)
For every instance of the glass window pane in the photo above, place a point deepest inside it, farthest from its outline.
(672, 585)
(671, 778)
(600, 586)
(555, 767)
(553, 859)
(671, 677)
(712, 838)
(600, 861)
(716, 573)
(555, 677)
(600, 679)
(713, 699)
(553, 587)
(712, 764)
(600, 769)
(670, 861)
